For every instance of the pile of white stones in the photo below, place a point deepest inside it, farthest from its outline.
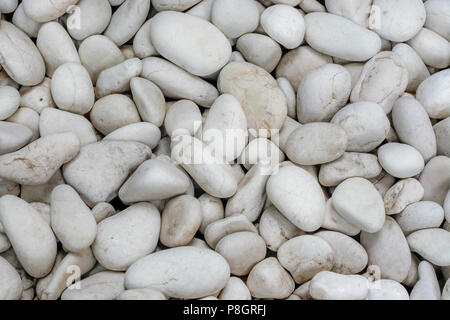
(224, 149)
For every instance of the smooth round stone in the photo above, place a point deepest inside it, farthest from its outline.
(335, 222)
(257, 91)
(383, 79)
(113, 112)
(432, 48)
(435, 179)
(9, 101)
(275, 229)
(218, 229)
(284, 24)
(36, 163)
(385, 289)
(175, 5)
(141, 294)
(291, 97)
(319, 103)
(226, 126)
(10, 283)
(437, 19)
(413, 126)
(149, 100)
(154, 179)
(185, 272)
(13, 136)
(401, 194)
(400, 160)
(54, 121)
(183, 117)
(323, 33)
(365, 123)
(94, 17)
(295, 64)
(105, 285)
(399, 21)
(101, 168)
(268, 280)
(427, 287)
(235, 290)
(260, 50)
(127, 236)
(180, 221)
(99, 46)
(31, 237)
(144, 132)
(388, 249)
(328, 285)
(434, 95)
(420, 215)
(21, 58)
(298, 196)
(442, 131)
(305, 256)
(235, 17)
(177, 83)
(432, 244)
(72, 89)
(316, 143)
(56, 46)
(417, 70)
(127, 20)
(242, 250)
(46, 10)
(116, 79)
(199, 60)
(349, 256)
(351, 164)
(360, 204)
(71, 219)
